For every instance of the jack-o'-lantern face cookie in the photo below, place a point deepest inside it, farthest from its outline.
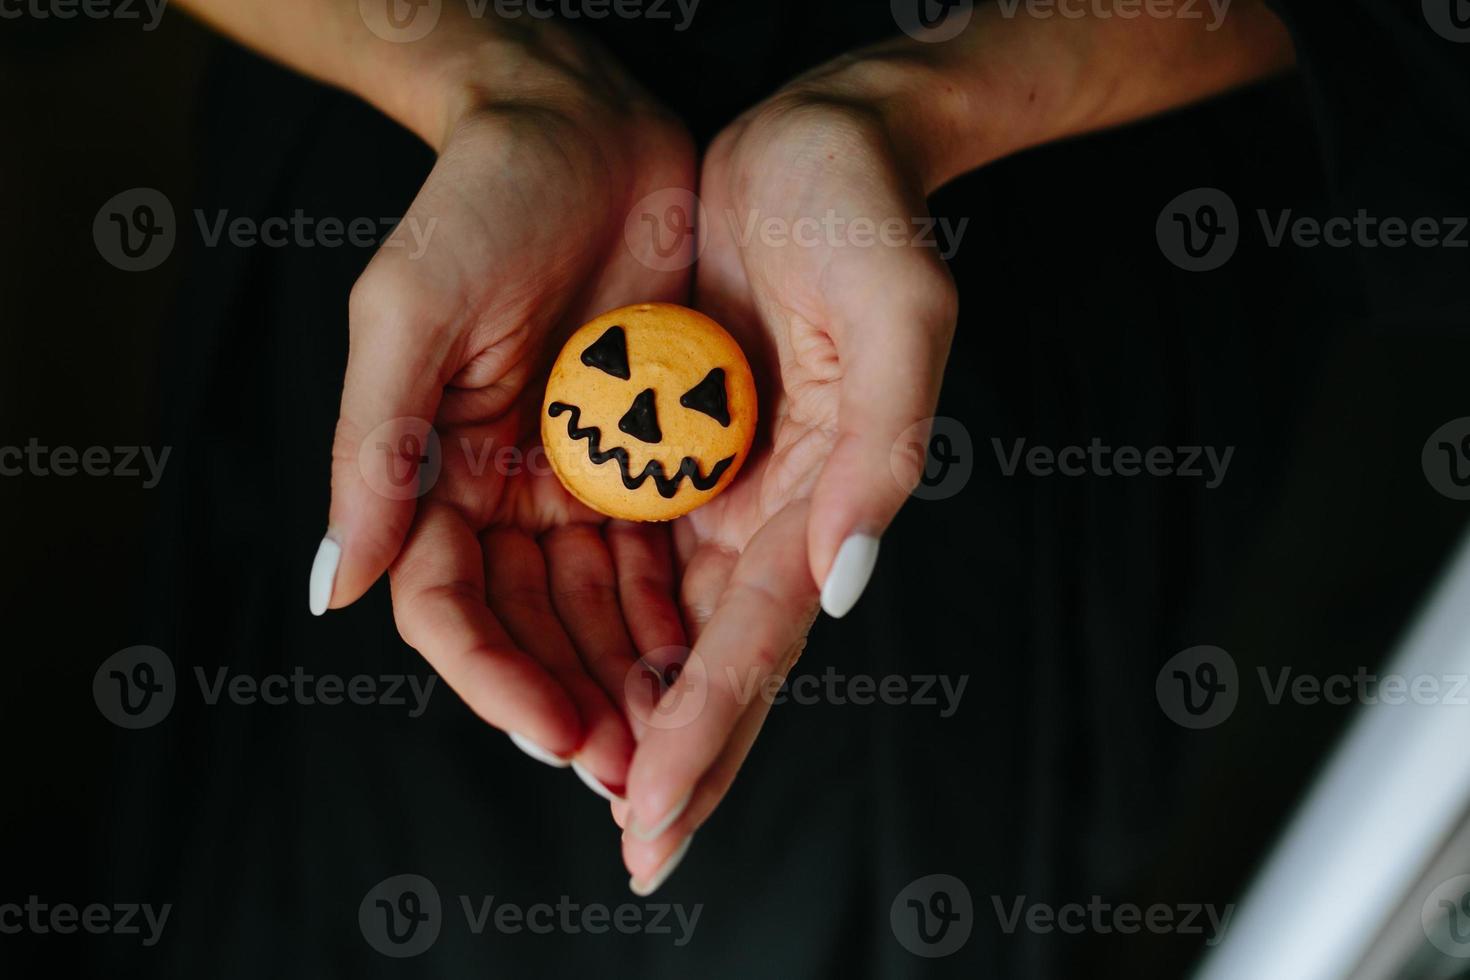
(649, 413)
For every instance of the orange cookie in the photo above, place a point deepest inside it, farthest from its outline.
(649, 412)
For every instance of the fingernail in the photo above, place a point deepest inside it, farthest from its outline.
(849, 575)
(593, 783)
(537, 752)
(652, 832)
(645, 888)
(324, 574)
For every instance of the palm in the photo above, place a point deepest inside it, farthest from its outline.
(506, 582)
(786, 300)
(829, 325)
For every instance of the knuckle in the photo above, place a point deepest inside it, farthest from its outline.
(387, 293)
(907, 462)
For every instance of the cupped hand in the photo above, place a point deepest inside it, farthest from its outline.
(848, 328)
(532, 607)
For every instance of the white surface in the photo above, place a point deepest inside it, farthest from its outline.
(1389, 796)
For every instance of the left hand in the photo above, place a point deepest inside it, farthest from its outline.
(848, 329)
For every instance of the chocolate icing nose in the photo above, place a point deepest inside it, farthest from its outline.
(641, 419)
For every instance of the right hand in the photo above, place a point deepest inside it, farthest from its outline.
(506, 584)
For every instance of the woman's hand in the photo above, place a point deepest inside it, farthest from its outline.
(852, 329)
(501, 580)
(816, 262)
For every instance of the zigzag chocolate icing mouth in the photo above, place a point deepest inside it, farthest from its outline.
(667, 486)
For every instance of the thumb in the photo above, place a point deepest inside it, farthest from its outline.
(385, 454)
(892, 362)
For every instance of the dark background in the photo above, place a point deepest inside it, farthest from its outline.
(1058, 779)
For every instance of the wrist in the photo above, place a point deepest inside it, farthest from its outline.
(469, 67)
(935, 123)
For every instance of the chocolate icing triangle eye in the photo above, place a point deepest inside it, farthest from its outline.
(709, 397)
(641, 420)
(610, 354)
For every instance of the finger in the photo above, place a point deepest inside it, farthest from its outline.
(892, 362)
(764, 611)
(644, 560)
(390, 395)
(647, 584)
(439, 605)
(706, 571)
(517, 588)
(650, 863)
(584, 593)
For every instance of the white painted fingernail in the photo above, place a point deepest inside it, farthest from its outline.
(593, 783)
(645, 888)
(323, 574)
(849, 575)
(537, 752)
(651, 833)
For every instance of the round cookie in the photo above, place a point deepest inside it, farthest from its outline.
(649, 412)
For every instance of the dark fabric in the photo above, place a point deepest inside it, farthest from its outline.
(1059, 777)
